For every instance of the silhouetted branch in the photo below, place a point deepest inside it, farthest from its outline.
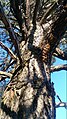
(58, 97)
(58, 68)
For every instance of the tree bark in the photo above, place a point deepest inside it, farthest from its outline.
(30, 93)
(30, 96)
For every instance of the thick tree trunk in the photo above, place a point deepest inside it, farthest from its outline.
(30, 93)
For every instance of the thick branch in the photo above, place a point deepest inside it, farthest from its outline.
(10, 30)
(58, 29)
(60, 54)
(61, 104)
(15, 6)
(8, 50)
(9, 75)
(58, 68)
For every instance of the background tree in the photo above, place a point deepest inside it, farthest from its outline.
(32, 30)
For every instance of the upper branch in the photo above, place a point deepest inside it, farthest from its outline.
(35, 12)
(10, 30)
(60, 54)
(47, 12)
(9, 51)
(18, 9)
(58, 29)
(58, 68)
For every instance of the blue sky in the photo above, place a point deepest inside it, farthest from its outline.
(59, 79)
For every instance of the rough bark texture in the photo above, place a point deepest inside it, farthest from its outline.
(30, 93)
(31, 97)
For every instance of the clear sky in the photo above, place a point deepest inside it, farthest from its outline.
(60, 84)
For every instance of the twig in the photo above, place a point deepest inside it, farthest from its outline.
(10, 30)
(9, 51)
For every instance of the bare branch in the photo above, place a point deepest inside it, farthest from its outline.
(58, 29)
(9, 75)
(61, 104)
(9, 51)
(58, 97)
(58, 68)
(60, 54)
(15, 7)
(35, 12)
(47, 13)
(10, 30)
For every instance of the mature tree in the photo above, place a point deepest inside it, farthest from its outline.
(32, 31)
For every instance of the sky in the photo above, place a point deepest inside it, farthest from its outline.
(60, 84)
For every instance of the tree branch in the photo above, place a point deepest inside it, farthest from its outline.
(57, 31)
(10, 30)
(60, 54)
(9, 75)
(9, 51)
(61, 104)
(15, 6)
(58, 68)
(58, 97)
(47, 13)
(35, 12)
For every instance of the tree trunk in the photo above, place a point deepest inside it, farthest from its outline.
(30, 93)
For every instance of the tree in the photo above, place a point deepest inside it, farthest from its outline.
(33, 30)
